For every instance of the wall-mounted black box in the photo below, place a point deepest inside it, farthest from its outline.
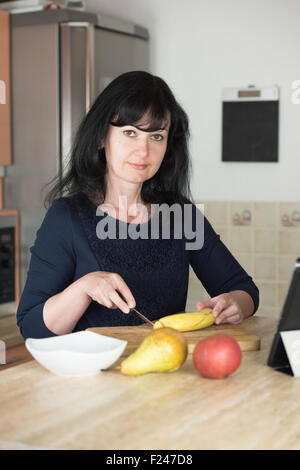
(250, 127)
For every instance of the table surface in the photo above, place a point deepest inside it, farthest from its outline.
(254, 408)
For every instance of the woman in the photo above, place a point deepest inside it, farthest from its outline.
(130, 154)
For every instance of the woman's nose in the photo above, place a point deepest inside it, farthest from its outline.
(142, 148)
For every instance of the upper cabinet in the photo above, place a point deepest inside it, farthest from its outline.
(5, 120)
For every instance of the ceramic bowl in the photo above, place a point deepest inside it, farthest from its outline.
(76, 354)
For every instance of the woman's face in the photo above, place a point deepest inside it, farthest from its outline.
(134, 155)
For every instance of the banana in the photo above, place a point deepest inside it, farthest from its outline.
(187, 321)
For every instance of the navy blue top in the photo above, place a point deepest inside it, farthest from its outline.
(156, 270)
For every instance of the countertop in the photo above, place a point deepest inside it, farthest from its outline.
(254, 408)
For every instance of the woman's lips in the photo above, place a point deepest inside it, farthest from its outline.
(138, 167)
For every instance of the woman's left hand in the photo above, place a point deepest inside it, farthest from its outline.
(225, 307)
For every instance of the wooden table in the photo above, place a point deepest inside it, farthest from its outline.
(255, 408)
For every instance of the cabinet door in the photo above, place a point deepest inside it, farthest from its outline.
(5, 124)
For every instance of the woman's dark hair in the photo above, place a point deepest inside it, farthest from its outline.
(125, 101)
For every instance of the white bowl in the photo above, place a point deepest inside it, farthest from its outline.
(76, 354)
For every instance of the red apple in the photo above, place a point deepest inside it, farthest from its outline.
(217, 356)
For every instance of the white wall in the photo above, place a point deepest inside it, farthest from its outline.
(201, 46)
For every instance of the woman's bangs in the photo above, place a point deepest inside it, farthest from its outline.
(148, 118)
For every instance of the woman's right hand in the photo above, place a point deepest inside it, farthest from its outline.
(105, 288)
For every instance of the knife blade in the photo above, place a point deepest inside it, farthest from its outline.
(134, 311)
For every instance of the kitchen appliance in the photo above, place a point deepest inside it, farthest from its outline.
(7, 264)
(250, 124)
(289, 321)
(61, 60)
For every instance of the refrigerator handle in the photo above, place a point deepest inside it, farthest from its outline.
(69, 109)
(90, 66)
(89, 56)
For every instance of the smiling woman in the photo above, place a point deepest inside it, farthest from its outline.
(133, 155)
(133, 112)
(131, 149)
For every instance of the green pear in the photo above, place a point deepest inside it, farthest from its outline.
(163, 350)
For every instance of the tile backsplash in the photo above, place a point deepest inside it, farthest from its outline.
(265, 239)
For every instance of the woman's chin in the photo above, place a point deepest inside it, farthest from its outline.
(137, 178)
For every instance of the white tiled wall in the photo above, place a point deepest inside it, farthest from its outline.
(266, 243)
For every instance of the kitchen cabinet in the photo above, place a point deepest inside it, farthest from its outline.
(5, 112)
(254, 408)
(1, 192)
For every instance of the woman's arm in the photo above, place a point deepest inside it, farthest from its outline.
(52, 303)
(63, 310)
(51, 269)
(232, 290)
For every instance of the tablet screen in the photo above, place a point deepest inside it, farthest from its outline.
(290, 317)
(289, 320)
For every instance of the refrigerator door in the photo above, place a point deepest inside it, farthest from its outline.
(117, 53)
(35, 128)
(51, 91)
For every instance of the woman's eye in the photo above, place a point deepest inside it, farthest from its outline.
(157, 137)
(129, 133)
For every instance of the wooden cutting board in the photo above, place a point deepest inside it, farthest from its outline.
(135, 334)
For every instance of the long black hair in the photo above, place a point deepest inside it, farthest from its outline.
(125, 101)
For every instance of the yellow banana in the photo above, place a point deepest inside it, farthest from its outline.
(187, 321)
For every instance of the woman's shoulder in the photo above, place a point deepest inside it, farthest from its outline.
(74, 211)
(66, 203)
(58, 207)
(63, 212)
(57, 215)
(55, 227)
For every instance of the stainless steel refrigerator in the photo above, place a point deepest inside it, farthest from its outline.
(61, 60)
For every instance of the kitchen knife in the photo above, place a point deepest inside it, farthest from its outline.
(134, 311)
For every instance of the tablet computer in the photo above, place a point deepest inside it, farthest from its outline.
(289, 320)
